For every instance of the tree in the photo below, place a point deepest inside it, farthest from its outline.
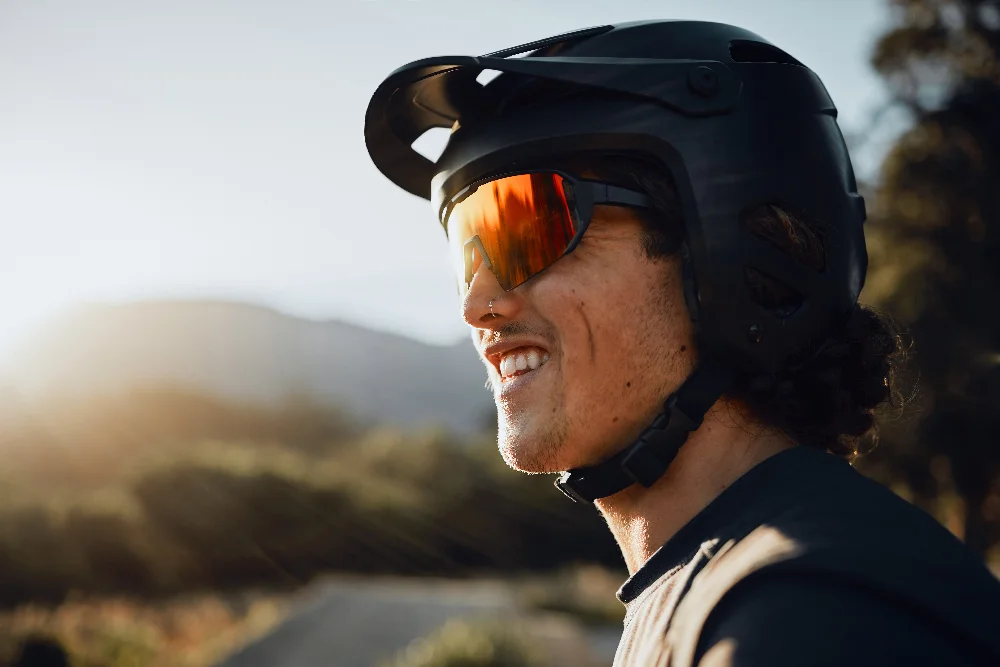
(934, 240)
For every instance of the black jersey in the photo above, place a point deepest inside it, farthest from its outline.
(804, 561)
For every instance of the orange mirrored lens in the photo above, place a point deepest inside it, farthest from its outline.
(524, 223)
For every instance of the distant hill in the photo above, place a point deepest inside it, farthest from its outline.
(251, 353)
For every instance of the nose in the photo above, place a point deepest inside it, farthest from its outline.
(482, 290)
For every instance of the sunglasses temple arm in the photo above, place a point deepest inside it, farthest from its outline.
(602, 193)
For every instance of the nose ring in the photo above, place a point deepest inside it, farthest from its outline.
(491, 308)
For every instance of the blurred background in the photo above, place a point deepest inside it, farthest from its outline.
(241, 421)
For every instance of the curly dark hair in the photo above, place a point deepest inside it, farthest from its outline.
(829, 396)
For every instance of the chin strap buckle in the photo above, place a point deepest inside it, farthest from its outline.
(565, 483)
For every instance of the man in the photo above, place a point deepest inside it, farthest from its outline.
(658, 237)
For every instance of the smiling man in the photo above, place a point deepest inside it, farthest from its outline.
(659, 244)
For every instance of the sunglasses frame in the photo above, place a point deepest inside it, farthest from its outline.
(581, 197)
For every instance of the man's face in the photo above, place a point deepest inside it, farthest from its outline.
(618, 339)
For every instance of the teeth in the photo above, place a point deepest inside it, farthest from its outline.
(522, 360)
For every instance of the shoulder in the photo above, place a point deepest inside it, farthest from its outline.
(817, 586)
(806, 619)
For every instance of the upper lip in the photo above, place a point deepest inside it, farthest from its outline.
(494, 353)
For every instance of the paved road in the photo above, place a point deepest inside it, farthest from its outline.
(344, 623)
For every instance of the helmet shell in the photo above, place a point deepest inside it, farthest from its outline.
(736, 121)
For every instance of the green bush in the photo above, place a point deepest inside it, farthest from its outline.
(185, 510)
(470, 644)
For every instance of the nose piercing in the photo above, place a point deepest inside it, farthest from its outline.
(491, 308)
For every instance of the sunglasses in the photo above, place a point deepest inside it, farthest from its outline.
(518, 225)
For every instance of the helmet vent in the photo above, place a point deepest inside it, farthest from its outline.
(487, 75)
(432, 142)
(793, 235)
(771, 294)
(745, 51)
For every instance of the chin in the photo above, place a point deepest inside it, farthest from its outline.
(534, 452)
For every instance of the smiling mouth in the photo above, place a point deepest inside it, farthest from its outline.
(521, 361)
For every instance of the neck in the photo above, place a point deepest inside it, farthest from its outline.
(721, 451)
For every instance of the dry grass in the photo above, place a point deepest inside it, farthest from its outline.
(191, 632)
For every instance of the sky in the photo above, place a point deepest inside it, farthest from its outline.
(210, 149)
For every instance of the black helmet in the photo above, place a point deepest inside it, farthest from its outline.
(737, 123)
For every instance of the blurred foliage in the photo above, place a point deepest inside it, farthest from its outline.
(934, 241)
(936, 47)
(195, 512)
(585, 592)
(472, 644)
(195, 632)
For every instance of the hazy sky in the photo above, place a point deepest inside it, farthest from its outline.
(215, 149)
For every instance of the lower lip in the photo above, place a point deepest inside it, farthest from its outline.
(518, 382)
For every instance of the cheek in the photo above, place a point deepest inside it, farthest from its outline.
(625, 333)
(608, 377)
(612, 325)
(603, 332)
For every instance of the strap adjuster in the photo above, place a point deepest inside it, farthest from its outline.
(648, 457)
(655, 449)
(644, 462)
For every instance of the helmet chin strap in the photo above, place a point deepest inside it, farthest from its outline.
(647, 459)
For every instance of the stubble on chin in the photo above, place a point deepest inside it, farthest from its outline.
(531, 447)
